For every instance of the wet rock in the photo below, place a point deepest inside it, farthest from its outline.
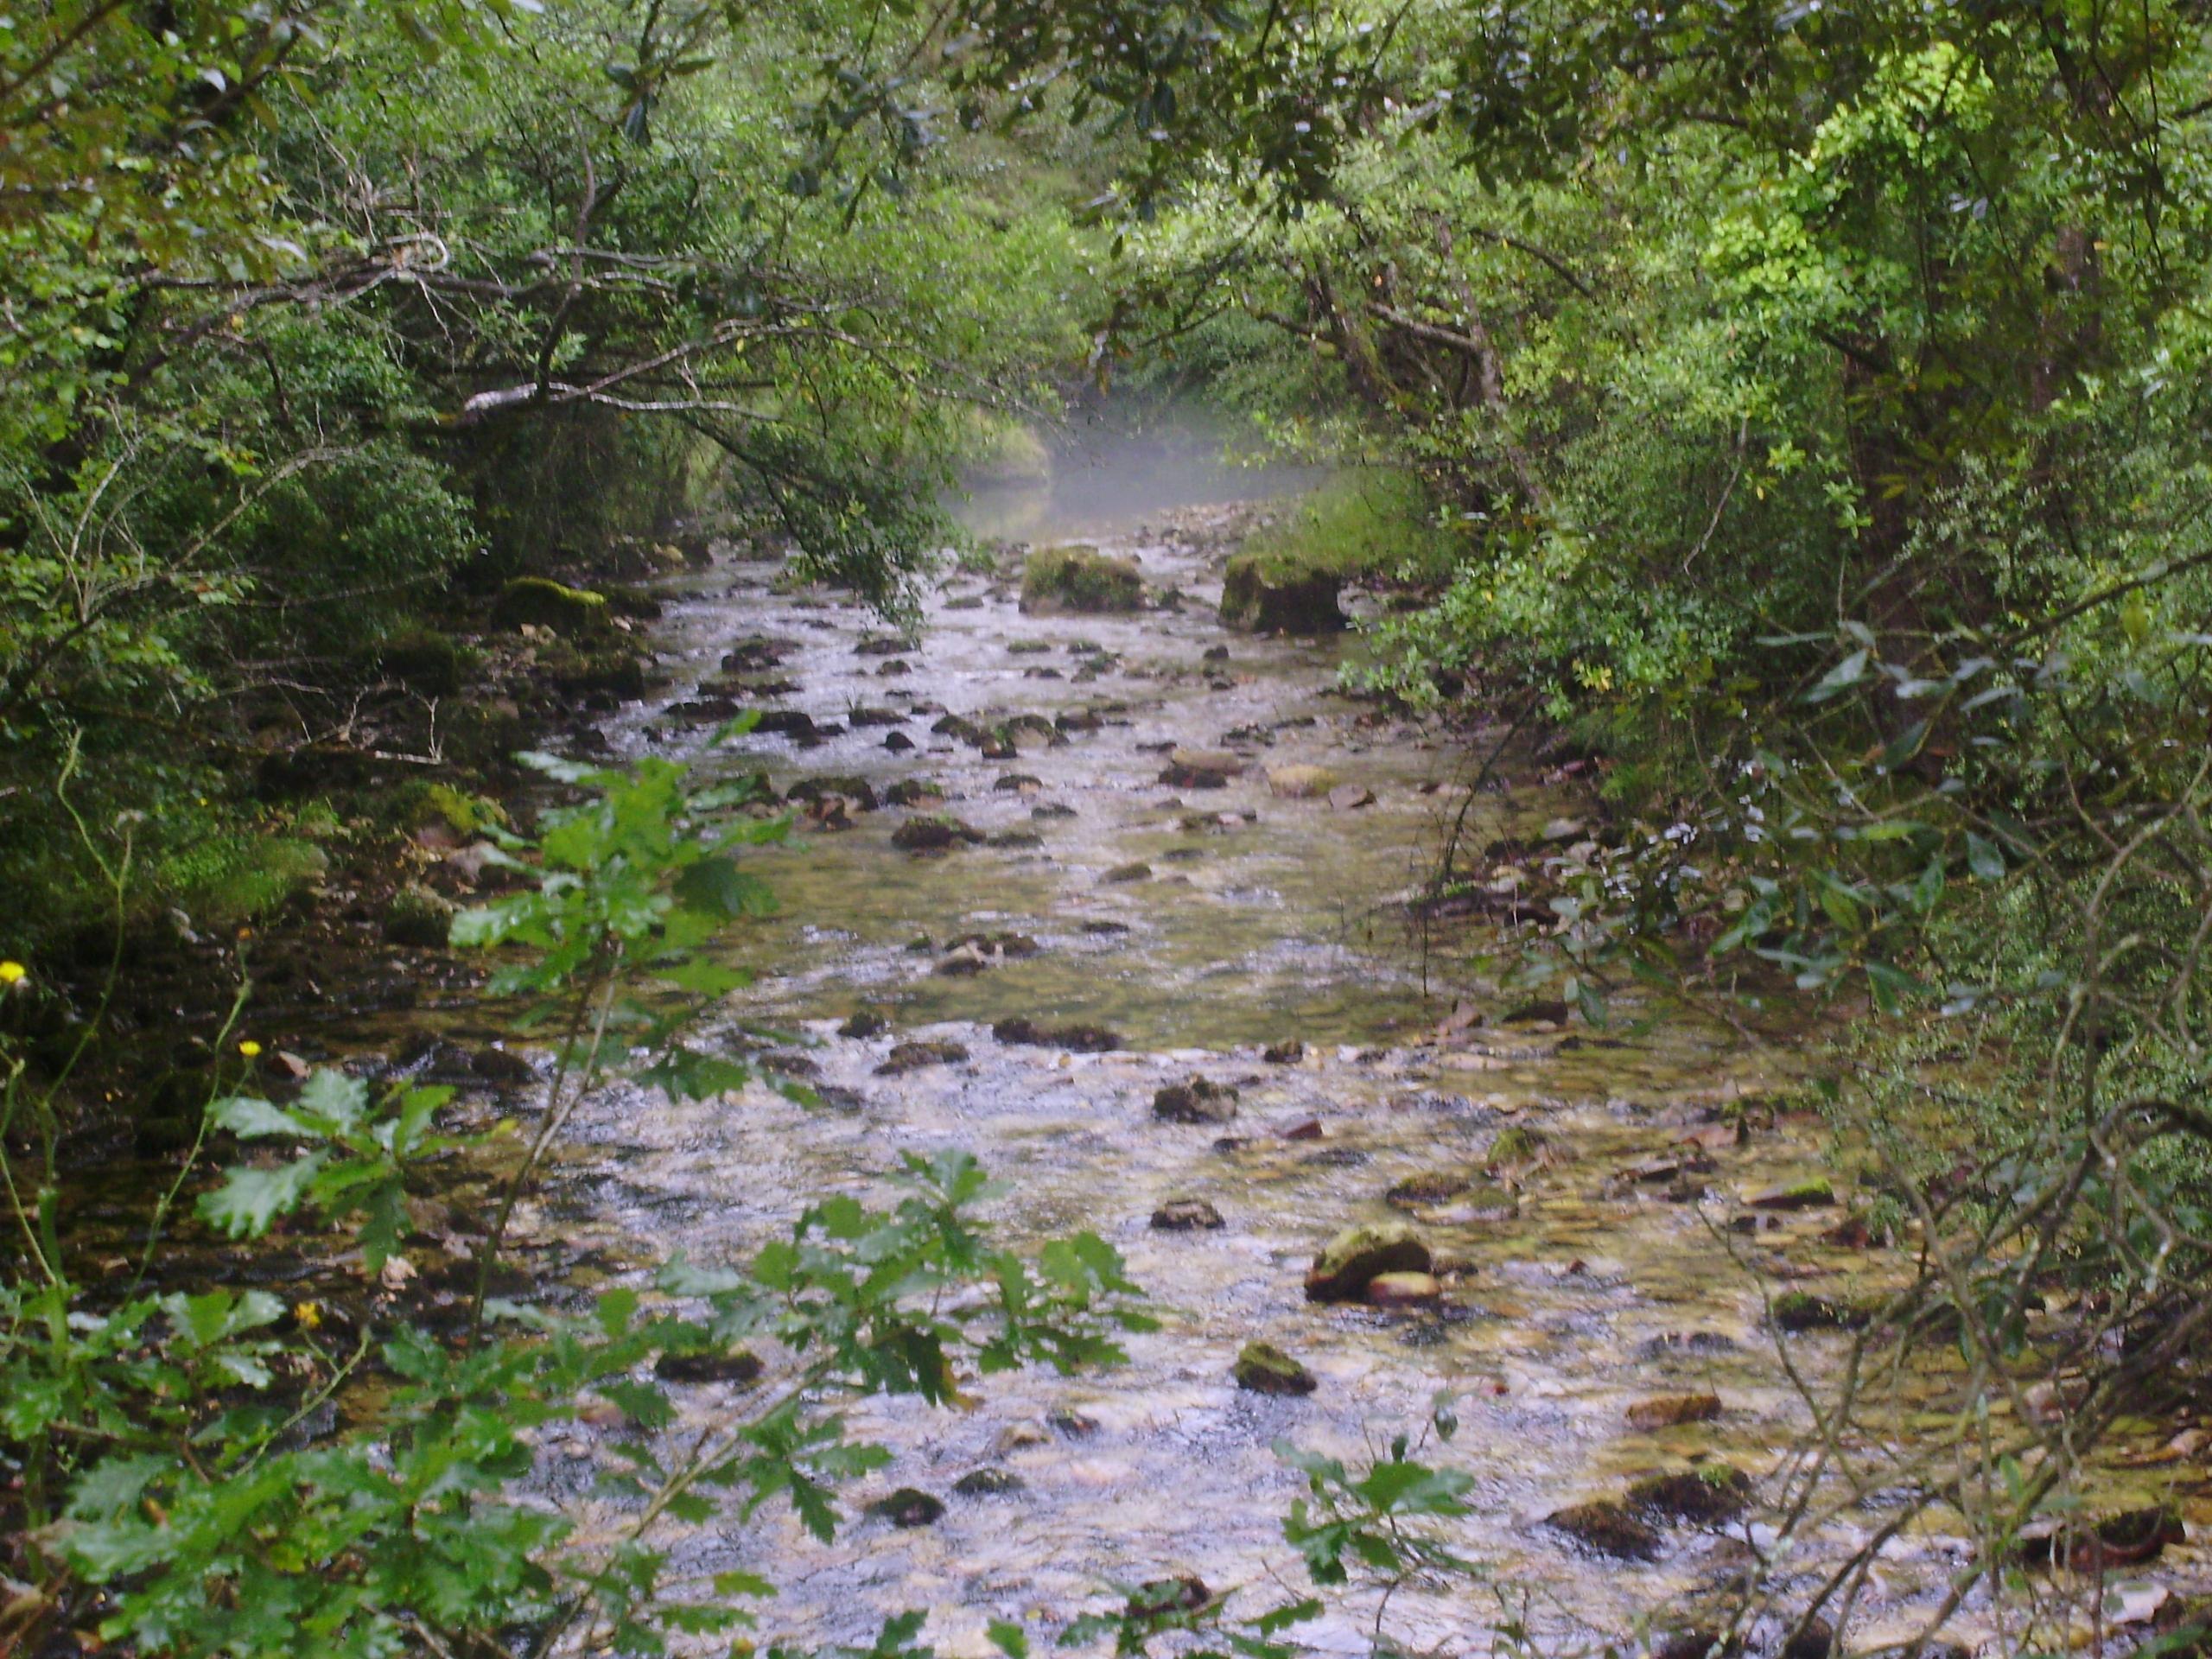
(753, 656)
(1673, 1410)
(1796, 1195)
(1185, 1215)
(912, 1057)
(790, 1065)
(1403, 1290)
(998, 944)
(1697, 1642)
(1177, 777)
(1428, 1186)
(1337, 1157)
(865, 1022)
(1066, 1419)
(2125, 1540)
(1185, 1593)
(898, 743)
(894, 667)
(1306, 1128)
(1265, 1368)
(1138, 871)
(1289, 1053)
(915, 791)
(738, 1365)
(419, 918)
(863, 716)
(1079, 579)
(1051, 810)
(1214, 654)
(1017, 782)
(1106, 930)
(1260, 599)
(856, 789)
(794, 724)
(1083, 722)
(987, 1482)
(882, 644)
(1350, 798)
(1609, 1528)
(1079, 1039)
(1800, 1310)
(1198, 1101)
(908, 1507)
(539, 601)
(1813, 1639)
(1352, 1260)
(1300, 782)
(1017, 840)
(498, 1066)
(1674, 1344)
(933, 835)
(1711, 1493)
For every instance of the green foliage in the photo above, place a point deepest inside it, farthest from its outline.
(1374, 523)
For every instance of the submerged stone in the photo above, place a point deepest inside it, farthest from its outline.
(1714, 1492)
(987, 1482)
(1672, 1410)
(912, 1057)
(1198, 1101)
(909, 1507)
(1607, 1528)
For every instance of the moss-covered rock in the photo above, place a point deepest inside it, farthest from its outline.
(1265, 1368)
(1703, 1496)
(1261, 598)
(419, 917)
(1357, 1256)
(1606, 1528)
(541, 602)
(1075, 578)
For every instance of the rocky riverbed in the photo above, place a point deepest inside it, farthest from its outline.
(1115, 903)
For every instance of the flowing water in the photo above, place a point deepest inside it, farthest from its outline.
(1260, 919)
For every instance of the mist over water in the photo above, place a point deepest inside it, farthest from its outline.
(1118, 467)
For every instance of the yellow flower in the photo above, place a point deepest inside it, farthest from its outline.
(251, 1049)
(11, 972)
(306, 1314)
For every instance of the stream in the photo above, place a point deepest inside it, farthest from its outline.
(1204, 927)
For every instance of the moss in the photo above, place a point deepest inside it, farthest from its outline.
(1262, 1368)
(541, 602)
(1081, 579)
(1372, 523)
(234, 879)
(424, 803)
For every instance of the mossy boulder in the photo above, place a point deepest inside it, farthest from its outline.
(1261, 596)
(539, 601)
(419, 917)
(1262, 1368)
(1356, 1257)
(1079, 579)
(1199, 1101)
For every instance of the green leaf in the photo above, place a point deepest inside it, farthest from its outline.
(716, 886)
(1010, 1639)
(250, 1200)
(1984, 859)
